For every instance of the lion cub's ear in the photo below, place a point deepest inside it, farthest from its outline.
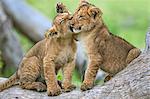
(82, 2)
(61, 8)
(51, 33)
(94, 12)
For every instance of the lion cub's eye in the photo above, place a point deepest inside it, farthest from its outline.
(81, 17)
(62, 21)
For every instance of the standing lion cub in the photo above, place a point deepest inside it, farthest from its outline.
(46, 57)
(105, 50)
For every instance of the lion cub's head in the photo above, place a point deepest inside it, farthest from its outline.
(86, 17)
(60, 26)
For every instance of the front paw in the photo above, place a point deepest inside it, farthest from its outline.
(68, 88)
(85, 86)
(54, 92)
(41, 87)
(50, 34)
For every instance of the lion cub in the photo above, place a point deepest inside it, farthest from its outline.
(105, 50)
(46, 57)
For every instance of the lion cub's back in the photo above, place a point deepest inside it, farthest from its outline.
(115, 54)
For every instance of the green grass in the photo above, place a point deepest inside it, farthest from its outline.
(75, 78)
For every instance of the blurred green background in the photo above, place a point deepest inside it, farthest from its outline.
(129, 19)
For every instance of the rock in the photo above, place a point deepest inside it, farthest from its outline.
(131, 83)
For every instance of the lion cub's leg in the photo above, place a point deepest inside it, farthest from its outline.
(133, 53)
(91, 71)
(29, 73)
(67, 72)
(53, 89)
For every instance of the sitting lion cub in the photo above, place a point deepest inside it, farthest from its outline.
(105, 50)
(45, 58)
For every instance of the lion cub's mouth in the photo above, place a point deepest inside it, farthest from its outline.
(71, 28)
(76, 30)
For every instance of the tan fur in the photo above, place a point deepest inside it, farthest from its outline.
(105, 50)
(45, 58)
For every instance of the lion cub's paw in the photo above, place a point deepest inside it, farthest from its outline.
(85, 86)
(68, 88)
(54, 92)
(41, 87)
(49, 34)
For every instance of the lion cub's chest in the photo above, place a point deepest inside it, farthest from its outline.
(64, 56)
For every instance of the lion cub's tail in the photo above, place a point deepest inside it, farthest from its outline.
(10, 82)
